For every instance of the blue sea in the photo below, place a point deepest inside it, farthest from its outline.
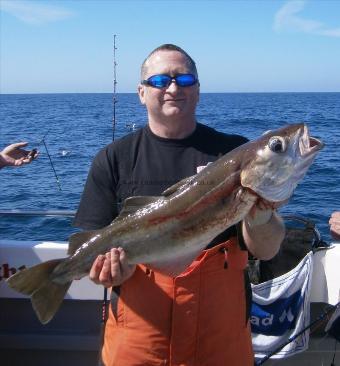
(76, 126)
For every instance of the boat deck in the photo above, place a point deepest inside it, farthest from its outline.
(72, 338)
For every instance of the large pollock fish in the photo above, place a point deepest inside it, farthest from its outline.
(167, 232)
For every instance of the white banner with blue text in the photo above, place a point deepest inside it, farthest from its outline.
(280, 310)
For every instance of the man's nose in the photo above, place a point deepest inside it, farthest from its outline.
(172, 86)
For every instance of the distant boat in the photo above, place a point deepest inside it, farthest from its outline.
(131, 126)
(64, 152)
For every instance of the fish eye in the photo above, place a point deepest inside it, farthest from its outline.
(277, 144)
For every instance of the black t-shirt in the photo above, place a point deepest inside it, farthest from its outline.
(143, 164)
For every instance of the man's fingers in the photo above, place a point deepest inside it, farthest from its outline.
(96, 269)
(115, 264)
(30, 156)
(123, 258)
(335, 218)
(18, 162)
(336, 215)
(33, 154)
(111, 269)
(17, 145)
(260, 217)
(263, 204)
(105, 276)
(127, 269)
(27, 160)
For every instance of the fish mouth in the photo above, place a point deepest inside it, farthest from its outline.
(308, 145)
(306, 149)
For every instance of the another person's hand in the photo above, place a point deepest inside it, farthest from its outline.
(15, 155)
(334, 223)
(111, 269)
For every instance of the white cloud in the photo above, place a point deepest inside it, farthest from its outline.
(335, 32)
(33, 12)
(288, 18)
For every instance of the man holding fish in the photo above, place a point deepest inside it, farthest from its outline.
(171, 212)
(178, 334)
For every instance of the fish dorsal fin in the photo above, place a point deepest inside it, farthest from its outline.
(132, 204)
(177, 185)
(78, 239)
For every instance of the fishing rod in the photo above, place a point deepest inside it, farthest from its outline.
(105, 295)
(291, 339)
(114, 88)
(42, 141)
(52, 166)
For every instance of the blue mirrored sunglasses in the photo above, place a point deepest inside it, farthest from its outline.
(163, 81)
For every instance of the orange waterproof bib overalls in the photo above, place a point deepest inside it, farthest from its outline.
(195, 319)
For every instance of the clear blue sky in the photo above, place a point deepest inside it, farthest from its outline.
(239, 46)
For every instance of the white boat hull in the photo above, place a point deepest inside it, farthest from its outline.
(73, 336)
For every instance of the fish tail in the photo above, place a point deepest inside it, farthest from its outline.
(46, 295)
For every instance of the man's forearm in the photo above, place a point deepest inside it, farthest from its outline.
(264, 240)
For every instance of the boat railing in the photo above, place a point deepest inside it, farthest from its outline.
(63, 213)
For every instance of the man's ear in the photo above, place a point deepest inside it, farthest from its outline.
(141, 93)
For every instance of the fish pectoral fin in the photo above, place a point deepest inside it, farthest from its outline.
(174, 266)
(46, 296)
(78, 239)
(134, 203)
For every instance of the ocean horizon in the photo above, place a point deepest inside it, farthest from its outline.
(225, 92)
